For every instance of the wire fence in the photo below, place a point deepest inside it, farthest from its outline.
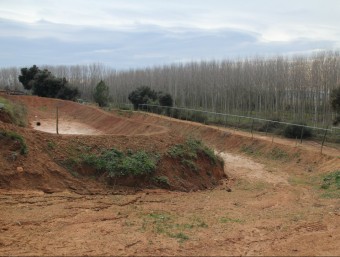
(299, 132)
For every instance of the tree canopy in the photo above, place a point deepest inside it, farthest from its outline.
(44, 83)
(101, 94)
(142, 95)
(146, 95)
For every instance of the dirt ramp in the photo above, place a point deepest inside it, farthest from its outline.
(75, 118)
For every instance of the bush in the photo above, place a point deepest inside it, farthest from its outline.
(198, 117)
(119, 164)
(295, 131)
(142, 95)
(18, 138)
(189, 151)
(270, 126)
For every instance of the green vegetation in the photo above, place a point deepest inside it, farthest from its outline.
(165, 223)
(189, 151)
(101, 94)
(294, 131)
(43, 83)
(142, 95)
(331, 185)
(51, 145)
(118, 164)
(16, 112)
(251, 150)
(227, 219)
(16, 137)
(181, 236)
(326, 185)
(146, 95)
(278, 154)
(162, 180)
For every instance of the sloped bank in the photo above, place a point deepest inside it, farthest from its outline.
(187, 166)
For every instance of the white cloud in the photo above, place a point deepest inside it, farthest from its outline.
(166, 31)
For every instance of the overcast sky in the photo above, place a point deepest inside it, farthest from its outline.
(138, 33)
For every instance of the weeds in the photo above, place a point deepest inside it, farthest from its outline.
(250, 150)
(118, 164)
(51, 145)
(227, 219)
(165, 223)
(278, 154)
(181, 236)
(16, 112)
(331, 185)
(16, 137)
(162, 180)
(189, 151)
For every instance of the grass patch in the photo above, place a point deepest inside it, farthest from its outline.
(16, 137)
(278, 154)
(162, 180)
(17, 112)
(180, 236)
(327, 186)
(331, 185)
(250, 150)
(227, 219)
(51, 145)
(165, 223)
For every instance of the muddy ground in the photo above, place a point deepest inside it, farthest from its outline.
(271, 204)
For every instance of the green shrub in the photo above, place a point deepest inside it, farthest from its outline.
(15, 136)
(198, 117)
(162, 180)
(118, 164)
(189, 151)
(270, 126)
(295, 131)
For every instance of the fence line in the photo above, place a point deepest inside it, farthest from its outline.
(238, 116)
(225, 115)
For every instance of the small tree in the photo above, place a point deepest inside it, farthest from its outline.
(335, 103)
(101, 94)
(142, 95)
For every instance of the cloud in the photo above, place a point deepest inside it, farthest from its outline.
(137, 33)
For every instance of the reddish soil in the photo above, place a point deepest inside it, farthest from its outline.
(272, 203)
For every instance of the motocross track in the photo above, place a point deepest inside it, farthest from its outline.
(271, 203)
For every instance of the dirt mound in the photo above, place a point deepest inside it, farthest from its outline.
(75, 118)
(46, 165)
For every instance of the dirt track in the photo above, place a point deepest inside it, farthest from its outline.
(275, 206)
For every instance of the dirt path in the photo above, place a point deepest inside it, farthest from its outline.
(237, 167)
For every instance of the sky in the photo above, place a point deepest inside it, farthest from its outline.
(125, 34)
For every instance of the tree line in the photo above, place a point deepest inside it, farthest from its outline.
(292, 88)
